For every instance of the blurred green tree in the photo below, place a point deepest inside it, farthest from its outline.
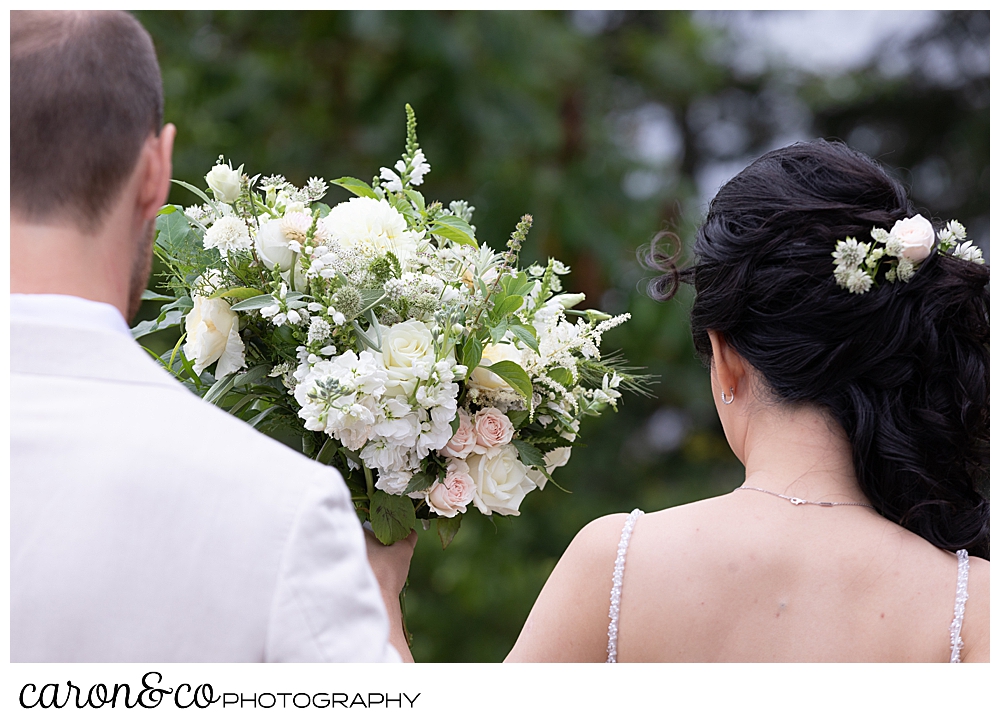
(606, 126)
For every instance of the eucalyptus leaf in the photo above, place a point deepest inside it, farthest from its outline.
(391, 517)
(254, 302)
(513, 374)
(355, 186)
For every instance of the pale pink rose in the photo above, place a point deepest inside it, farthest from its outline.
(493, 431)
(464, 439)
(917, 237)
(450, 496)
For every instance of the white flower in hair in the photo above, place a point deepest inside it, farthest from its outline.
(857, 281)
(968, 252)
(850, 253)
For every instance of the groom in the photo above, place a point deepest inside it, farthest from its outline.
(145, 524)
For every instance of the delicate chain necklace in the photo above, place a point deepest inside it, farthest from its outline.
(800, 501)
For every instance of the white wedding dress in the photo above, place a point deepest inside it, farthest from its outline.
(961, 594)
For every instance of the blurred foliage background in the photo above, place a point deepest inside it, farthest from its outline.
(607, 126)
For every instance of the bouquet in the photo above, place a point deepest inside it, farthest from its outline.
(383, 337)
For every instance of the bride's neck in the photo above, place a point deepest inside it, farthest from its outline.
(800, 451)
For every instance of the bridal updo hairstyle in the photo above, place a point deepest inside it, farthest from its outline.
(903, 368)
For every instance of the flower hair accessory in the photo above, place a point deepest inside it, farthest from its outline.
(910, 241)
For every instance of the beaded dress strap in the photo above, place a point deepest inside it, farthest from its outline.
(961, 595)
(616, 585)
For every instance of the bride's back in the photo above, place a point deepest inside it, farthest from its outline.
(848, 350)
(744, 578)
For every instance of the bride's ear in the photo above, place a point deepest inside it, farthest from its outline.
(729, 367)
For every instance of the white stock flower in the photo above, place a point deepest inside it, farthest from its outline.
(229, 233)
(485, 379)
(501, 482)
(371, 226)
(452, 495)
(408, 355)
(213, 334)
(224, 182)
(916, 236)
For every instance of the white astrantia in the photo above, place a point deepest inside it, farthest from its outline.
(229, 233)
(968, 252)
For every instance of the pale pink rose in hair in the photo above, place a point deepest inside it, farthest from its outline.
(464, 440)
(493, 431)
(450, 496)
(917, 236)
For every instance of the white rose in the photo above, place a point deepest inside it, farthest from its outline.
(493, 353)
(917, 236)
(553, 460)
(407, 348)
(272, 245)
(501, 481)
(493, 431)
(225, 182)
(213, 333)
(463, 441)
(451, 496)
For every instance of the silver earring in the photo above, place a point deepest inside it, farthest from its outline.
(732, 396)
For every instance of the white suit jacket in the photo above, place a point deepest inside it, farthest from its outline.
(149, 526)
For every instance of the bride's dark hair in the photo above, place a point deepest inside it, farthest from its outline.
(904, 368)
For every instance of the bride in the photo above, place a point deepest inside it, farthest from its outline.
(860, 411)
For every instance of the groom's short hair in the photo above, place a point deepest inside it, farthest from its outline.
(85, 94)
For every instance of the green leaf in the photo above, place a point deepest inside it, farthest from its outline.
(327, 451)
(561, 375)
(260, 417)
(254, 302)
(526, 334)
(149, 295)
(472, 353)
(514, 375)
(505, 307)
(454, 229)
(221, 387)
(447, 529)
(529, 454)
(417, 198)
(455, 424)
(391, 517)
(242, 292)
(195, 190)
(355, 186)
(323, 209)
(419, 482)
(171, 231)
(516, 284)
(498, 331)
(252, 375)
(517, 417)
(164, 321)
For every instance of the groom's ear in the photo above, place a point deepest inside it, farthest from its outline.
(155, 169)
